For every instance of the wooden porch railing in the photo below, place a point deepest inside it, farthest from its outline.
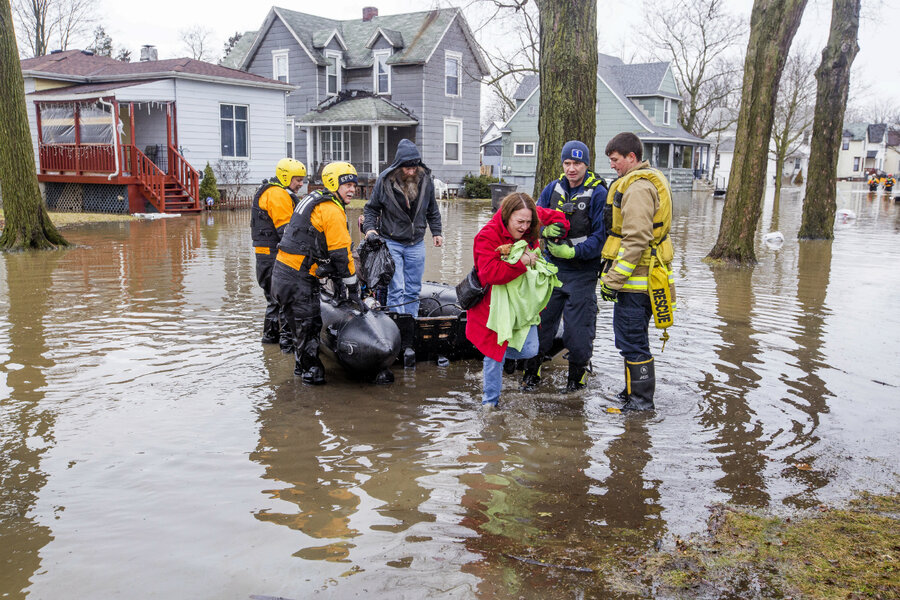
(150, 176)
(77, 159)
(186, 175)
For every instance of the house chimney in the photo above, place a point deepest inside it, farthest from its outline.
(148, 52)
(369, 12)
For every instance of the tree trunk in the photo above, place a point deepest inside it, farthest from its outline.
(27, 222)
(833, 84)
(773, 24)
(568, 79)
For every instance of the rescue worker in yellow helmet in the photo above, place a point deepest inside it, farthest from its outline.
(641, 207)
(272, 207)
(316, 244)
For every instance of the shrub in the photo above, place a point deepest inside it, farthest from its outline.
(798, 180)
(478, 186)
(208, 187)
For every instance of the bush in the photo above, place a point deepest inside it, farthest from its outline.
(478, 186)
(208, 187)
(798, 180)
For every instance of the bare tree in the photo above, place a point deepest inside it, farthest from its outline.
(833, 84)
(27, 223)
(102, 45)
(233, 174)
(568, 54)
(44, 25)
(196, 40)
(794, 110)
(772, 28)
(699, 37)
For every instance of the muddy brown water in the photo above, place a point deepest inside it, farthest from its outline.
(150, 447)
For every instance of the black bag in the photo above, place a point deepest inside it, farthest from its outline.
(376, 265)
(469, 291)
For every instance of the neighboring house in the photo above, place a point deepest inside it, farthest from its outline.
(641, 98)
(365, 84)
(112, 136)
(492, 148)
(866, 148)
(723, 153)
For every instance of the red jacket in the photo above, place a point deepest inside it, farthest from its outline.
(492, 270)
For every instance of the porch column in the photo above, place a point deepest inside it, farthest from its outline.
(40, 134)
(671, 155)
(310, 165)
(77, 139)
(373, 138)
(131, 154)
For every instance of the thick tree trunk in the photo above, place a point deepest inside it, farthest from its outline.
(27, 222)
(568, 79)
(833, 84)
(773, 24)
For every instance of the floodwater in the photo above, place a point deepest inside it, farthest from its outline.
(150, 447)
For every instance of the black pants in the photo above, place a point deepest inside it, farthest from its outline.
(298, 293)
(264, 265)
(576, 304)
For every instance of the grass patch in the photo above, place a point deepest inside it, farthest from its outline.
(65, 219)
(845, 553)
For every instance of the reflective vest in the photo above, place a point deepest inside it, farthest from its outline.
(262, 229)
(576, 207)
(301, 238)
(662, 221)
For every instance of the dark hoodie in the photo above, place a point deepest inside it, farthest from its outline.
(387, 211)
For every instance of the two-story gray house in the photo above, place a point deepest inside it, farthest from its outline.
(641, 98)
(362, 85)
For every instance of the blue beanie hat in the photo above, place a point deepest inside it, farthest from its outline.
(576, 150)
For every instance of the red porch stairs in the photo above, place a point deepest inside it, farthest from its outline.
(175, 192)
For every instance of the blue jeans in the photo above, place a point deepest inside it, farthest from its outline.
(493, 370)
(631, 321)
(409, 266)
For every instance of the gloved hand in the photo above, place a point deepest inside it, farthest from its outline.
(561, 250)
(552, 231)
(607, 293)
(355, 300)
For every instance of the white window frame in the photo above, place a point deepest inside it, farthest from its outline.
(234, 121)
(667, 111)
(459, 125)
(458, 57)
(856, 162)
(276, 56)
(387, 68)
(293, 139)
(338, 65)
(523, 152)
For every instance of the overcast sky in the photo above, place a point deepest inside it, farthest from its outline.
(876, 74)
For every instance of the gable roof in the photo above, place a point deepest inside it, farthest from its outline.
(415, 35)
(237, 52)
(85, 67)
(641, 79)
(355, 107)
(875, 132)
(526, 86)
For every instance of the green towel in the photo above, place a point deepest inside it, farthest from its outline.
(517, 305)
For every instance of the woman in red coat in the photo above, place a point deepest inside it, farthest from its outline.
(518, 218)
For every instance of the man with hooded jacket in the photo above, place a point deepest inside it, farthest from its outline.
(401, 206)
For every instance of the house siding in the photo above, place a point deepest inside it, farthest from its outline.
(437, 106)
(668, 84)
(302, 72)
(199, 127)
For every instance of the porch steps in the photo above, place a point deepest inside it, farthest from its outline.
(177, 200)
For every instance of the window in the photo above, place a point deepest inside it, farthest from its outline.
(524, 149)
(289, 137)
(667, 110)
(452, 61)
(855, 164)
(233, 118)
(280, 65)
(332, 72)
(335, 143)
(846, 145)
(796, 163)
(382, 72)
(452, 141)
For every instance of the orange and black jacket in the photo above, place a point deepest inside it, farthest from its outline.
(269, 215)
(317, 239)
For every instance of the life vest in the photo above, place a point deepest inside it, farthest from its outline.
(262, 229)
(301, 238)
(660, 245)
(576, 207)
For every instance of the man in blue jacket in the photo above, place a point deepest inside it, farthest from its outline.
(401, 206)
(581, 195)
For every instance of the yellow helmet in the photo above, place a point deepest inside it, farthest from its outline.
(338, 173)
(287, 169)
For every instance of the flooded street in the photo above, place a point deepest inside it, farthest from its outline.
(151, 447)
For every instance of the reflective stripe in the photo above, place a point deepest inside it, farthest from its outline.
(578, 240)
(623, 270)
(262, 250)
(635, 283)
(349, 280)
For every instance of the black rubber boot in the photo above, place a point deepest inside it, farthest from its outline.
(311, 370)
(577, 377)
(286, 339)
(532, 377)
(270, 331)
(623, 395)
(641, 385)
